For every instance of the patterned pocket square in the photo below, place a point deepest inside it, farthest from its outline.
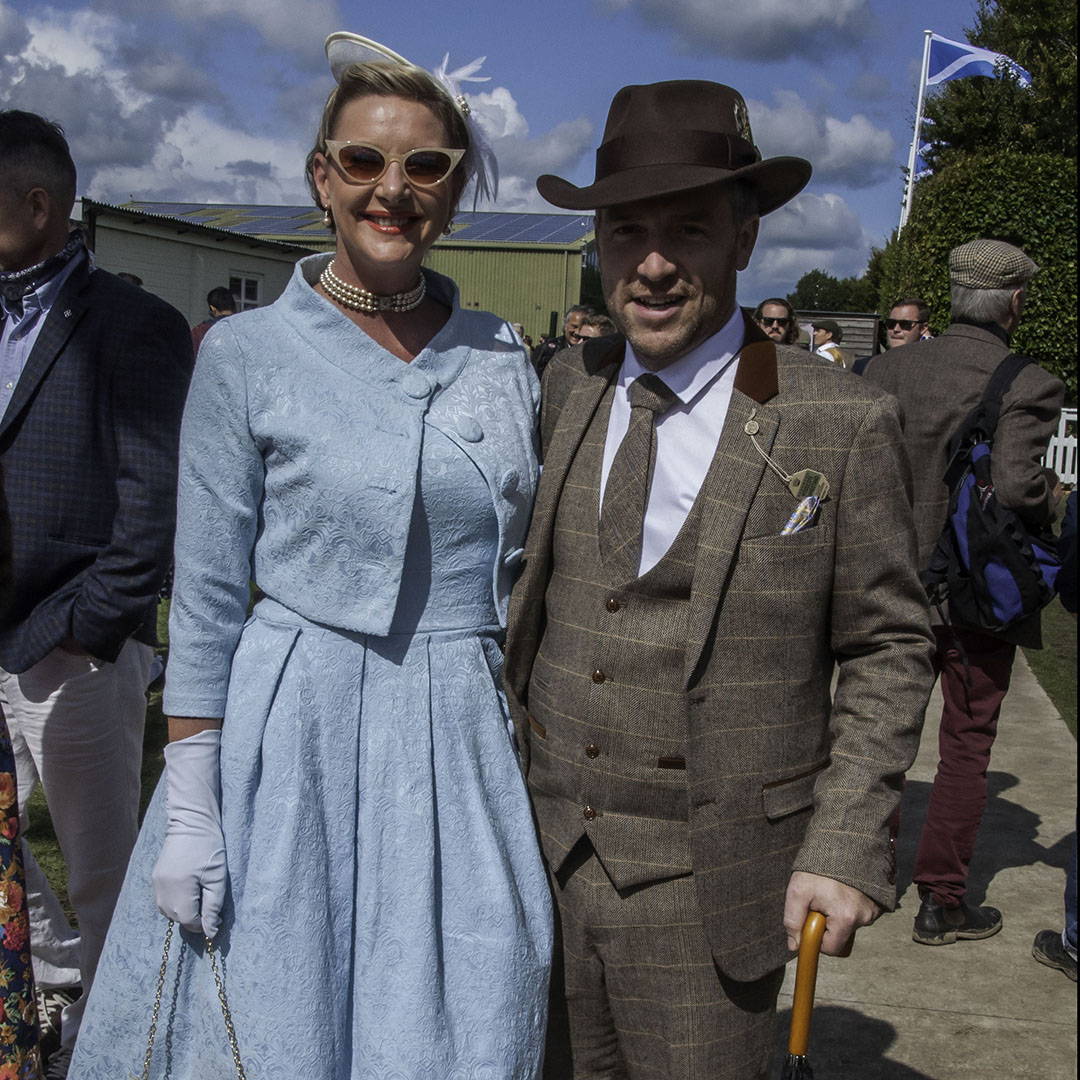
(803, 516)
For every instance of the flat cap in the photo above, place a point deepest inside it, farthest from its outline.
(831, 325)
(989, 264)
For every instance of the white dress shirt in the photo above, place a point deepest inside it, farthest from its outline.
(686, 435)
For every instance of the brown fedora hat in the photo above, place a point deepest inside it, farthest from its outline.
(676, 136)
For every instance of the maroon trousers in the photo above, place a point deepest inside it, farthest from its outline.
(973, 697)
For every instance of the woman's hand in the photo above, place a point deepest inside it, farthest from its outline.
(190, 875)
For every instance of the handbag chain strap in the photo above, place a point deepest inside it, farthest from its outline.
(155, 1013)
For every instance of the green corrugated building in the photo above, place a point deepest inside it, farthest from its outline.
(524, 267)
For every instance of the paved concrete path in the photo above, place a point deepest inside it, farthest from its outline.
(975, 1010)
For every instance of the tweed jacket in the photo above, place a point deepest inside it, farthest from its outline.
(88, 447)
(937, 383)
(780, 773)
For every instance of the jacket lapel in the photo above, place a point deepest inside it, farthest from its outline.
(526, 617)
(64, 315)
(730, 486)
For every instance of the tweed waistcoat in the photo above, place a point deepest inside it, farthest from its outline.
(608, 715)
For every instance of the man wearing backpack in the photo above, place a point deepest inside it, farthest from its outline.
(938, 383)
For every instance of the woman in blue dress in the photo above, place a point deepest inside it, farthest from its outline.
(342, 809)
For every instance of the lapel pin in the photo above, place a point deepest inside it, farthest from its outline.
(803, 484)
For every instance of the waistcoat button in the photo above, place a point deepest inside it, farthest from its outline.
(588, 813)
(598, 676)
(592, 750)
(613, 604)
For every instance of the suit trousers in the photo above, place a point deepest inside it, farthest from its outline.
(973, 692)
(77, 727)
(636, 994)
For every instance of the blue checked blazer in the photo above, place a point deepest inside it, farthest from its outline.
(88, 450)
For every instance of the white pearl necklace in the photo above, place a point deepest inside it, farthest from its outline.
(369, 303)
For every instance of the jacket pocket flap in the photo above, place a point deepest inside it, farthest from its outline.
(786, 796)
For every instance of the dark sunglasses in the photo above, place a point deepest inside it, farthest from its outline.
(768, 320)
(904, 324)
(362, 163)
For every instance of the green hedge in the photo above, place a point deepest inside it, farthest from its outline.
(1026, 199)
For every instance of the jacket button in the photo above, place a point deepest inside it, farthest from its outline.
(509, 483)
(469, 429)
(613, 604)
(592, 750)
(598, 676)
(416, 384)
(588, 813)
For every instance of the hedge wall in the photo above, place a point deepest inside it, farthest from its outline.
(1026, 199)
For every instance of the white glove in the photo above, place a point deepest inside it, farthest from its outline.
(189, 876)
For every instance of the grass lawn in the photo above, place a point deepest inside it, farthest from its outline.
(1055, 664)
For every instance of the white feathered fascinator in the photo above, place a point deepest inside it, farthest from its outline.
(344, 49)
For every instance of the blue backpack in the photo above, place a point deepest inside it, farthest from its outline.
(990, 567)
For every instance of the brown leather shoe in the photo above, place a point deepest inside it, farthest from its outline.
(937, 924)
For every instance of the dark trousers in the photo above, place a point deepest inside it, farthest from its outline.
(973, 695)
(635, 992)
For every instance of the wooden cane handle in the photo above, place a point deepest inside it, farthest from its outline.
(805, 979)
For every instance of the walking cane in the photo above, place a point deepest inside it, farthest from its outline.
(796, 1067)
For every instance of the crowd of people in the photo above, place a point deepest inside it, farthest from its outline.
(508, 771)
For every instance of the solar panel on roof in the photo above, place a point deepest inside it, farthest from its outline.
(491, 226)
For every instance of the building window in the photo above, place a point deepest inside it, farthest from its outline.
(247, 290)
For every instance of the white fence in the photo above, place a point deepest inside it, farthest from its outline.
(1061, 453)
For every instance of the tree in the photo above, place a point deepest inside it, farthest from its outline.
(980, 115)
(817, 290)
(1026, 199)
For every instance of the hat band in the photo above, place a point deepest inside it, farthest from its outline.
(717, 150)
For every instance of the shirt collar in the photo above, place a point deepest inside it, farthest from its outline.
(690, 374)
(44, 296)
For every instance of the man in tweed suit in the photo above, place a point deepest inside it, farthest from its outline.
(93, 373)
(938, 383)
(671, 644)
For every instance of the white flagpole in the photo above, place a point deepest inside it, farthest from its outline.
(905, 206)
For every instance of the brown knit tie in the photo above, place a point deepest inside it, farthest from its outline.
(622, 515)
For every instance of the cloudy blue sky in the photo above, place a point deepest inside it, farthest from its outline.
(200, 100)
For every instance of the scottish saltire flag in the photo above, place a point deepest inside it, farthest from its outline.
(957, 60)
(922, 169)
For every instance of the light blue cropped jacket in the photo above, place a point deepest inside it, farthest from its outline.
(300, 449)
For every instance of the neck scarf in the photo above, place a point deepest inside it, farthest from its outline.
(16, 285)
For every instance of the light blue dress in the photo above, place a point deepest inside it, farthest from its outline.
(388, 913)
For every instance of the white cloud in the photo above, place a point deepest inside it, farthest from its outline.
(762, 30)
(813, 221)
(521, 158)
(853, 152)
(810, 232)
(14, 35)
(135, 124)
(75, 41)
(286, 24)
(144, 119)
(201, 160)
(497, 113)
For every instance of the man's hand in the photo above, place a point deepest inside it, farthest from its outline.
(845, 910)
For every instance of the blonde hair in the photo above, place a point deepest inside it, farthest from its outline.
(386, 79)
